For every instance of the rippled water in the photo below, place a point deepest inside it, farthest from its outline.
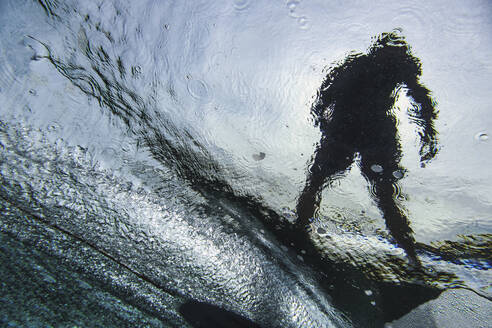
(152, 154)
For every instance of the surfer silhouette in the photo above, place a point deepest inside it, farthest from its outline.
(353, 110)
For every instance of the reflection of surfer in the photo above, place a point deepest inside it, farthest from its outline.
(353, 111)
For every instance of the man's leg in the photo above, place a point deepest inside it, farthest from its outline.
(330, 158)
(383, 172)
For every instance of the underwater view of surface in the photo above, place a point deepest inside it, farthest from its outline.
(241, 163)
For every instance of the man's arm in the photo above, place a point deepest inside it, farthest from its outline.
(331, 89)
(424, 113)
(324, 99)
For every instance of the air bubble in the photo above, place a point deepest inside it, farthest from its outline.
(482, 136)
(303, 22)
(292, 5)
(377, 168)
(398, 174)
(241, 4)
(198, 90)
(260, 156)
(289, 215)
(53, 127)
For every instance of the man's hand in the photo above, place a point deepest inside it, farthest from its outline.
(428, 151)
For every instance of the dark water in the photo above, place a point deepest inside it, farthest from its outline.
(161, 162)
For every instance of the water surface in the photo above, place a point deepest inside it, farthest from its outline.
(154, 153)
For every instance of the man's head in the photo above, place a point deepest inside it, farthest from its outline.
(392, 55)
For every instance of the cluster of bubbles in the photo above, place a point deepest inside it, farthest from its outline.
(302, 20)
(397, 174)
(292, 5)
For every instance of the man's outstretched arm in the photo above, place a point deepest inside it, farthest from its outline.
(424, 113)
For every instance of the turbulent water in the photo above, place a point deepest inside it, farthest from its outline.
(152, 154)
